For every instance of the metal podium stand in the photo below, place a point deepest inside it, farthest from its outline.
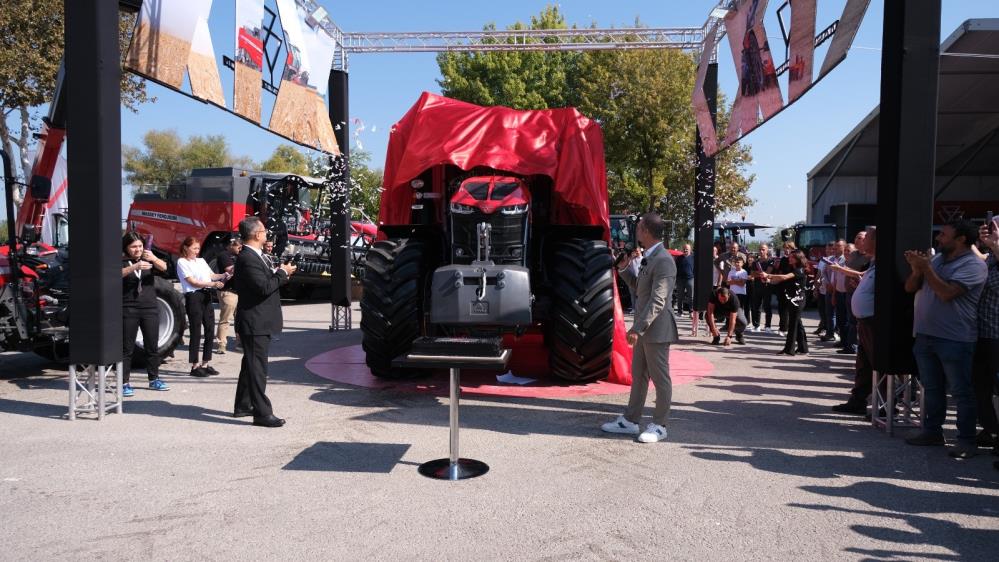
(453, 467)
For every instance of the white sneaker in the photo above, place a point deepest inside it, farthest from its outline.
(621, 425)
(767, 331)
(780, 333)
(652, 434)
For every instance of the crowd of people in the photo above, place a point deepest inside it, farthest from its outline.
(955, 327)
(246, 285)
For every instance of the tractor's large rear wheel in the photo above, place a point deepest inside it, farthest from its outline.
(580, 330)
(392, 304)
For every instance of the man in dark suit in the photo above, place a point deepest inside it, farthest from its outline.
(651, 334)
(258, 317)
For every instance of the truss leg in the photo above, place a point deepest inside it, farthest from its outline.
(88, 389)
(342, 318)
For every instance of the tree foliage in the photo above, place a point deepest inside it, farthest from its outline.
(31, 44)
(165, 158)
(365, 183)
(521, 80)
(641, 98)
(286, 158)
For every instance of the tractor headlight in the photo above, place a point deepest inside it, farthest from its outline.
(514, 209)
(462, 209)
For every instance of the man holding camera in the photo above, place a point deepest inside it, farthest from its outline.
(258, 317)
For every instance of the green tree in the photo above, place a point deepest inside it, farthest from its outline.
(31, 42)
(641, 98)
(164, 158)
(365, 183)
(286, 158)
(521, 80)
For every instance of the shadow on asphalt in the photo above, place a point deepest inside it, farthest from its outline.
(326, 456)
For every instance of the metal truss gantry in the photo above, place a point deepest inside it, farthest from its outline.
(684, 38)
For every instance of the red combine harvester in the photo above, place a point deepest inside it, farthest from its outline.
(496, 221)
(210, 203)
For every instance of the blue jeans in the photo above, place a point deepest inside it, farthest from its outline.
(842, 319)
(941, 363)
(832, 320)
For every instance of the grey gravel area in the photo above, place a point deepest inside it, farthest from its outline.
(756, 467)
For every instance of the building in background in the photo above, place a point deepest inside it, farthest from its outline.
(842, 188)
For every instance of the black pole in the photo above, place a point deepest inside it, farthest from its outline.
(910, 60)
(340, 202)
(704, 201)
(93, 75)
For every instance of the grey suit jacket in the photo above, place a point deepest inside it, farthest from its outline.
(653, 290)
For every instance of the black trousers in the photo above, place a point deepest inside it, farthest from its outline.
(823, 312)
(684, 294)
(796, 340)
(761, 299)
(251, 390)
(147, 320)
(782, 307)
(984, 378)
(200, 315)
(864, 366)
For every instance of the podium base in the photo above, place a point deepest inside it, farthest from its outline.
(442, 469)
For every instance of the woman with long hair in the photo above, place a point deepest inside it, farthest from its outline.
(198, 281)
(139, 309)
(794, 283)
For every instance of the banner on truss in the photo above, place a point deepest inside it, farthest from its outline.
(172, 39)
(759, 97)
(300, 112)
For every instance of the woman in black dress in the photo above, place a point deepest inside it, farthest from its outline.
(139, 309)
(794, 283)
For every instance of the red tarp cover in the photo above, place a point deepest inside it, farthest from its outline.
(562, 144)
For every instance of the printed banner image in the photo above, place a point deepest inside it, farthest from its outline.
(202, 69)
(300, 109)
(161, 43)
(702, 113)
(249, 65)
(802, 48)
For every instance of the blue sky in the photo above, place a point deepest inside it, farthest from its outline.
(384, 86)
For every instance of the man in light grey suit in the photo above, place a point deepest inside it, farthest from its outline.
(652, 333)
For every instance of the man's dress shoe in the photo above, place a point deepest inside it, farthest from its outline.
(269, 421)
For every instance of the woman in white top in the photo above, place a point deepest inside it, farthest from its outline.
(197, 280)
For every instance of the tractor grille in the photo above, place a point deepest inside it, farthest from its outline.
(508, 235)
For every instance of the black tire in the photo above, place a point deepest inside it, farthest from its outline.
(173, 322)
(580, 330)
(392, 306)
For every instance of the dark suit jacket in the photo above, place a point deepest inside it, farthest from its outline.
(258, 311)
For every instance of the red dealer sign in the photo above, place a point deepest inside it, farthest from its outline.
(760, 96)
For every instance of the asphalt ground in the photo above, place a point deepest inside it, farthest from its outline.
(756, 467)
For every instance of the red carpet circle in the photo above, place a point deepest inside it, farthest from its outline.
(346, 365)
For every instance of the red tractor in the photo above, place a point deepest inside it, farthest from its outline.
(496, 221)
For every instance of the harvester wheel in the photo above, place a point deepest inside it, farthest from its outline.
(392, 303)
(581, 327)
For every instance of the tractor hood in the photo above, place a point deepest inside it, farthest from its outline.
(559, 143)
